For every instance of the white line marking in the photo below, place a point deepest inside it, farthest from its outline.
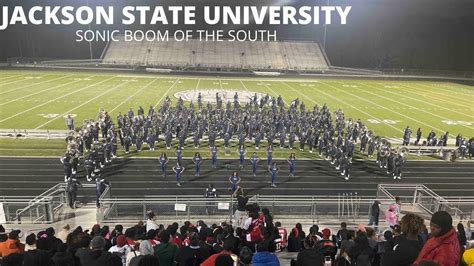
(9, 77)
(399, 102)
(400, 114)
(35, 84)
(45, 103)
(131, 96)
(26, 96)
(343, 103)
(166, 93)
(84, 103)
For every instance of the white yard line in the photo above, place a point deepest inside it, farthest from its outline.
(383, 107)
(166, 93)
(426, 93)
(243, 85)
(84, 103)
(341, 101)
(41, 91)
(445, 88)
(445, 92)
(410, 90)
(50, 101)
(430, 113)
(131, 96)
(35, 84)
(196, 88)
(9, 77)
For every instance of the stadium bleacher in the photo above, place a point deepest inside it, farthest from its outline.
(284, 55)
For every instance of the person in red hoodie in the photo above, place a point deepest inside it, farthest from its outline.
(443, 245)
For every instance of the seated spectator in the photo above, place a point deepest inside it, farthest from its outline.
(443, 244)
(310, 255)
(193, 254)
(166, 251)
(224, 260)
(211, 261)
(408, 244)
(361, 253)
(294, 244)
(342, 234)
(346, 245)
(326, 246)
(468, 256)
(12, 244)
(245, 256)
(62, 256)
(14, 259)
(263, 257)
(30, 242)
(83, 251)
(3, 235)
(121, 249)
(149, 260)
(100, 257)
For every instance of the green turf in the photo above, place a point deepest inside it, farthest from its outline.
(387, 107)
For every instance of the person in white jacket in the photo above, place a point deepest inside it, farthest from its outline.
(121, 249)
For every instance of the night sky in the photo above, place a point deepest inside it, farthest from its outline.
(410, 34)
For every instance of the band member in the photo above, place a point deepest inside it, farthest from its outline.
(163, 162)
(178, 169)
(291, 163)
(269, 154)
(406, 136)
(179, 154)
(214, 156)
(197, 164)
(242, 153)
(71, 189)
(418, 136)
(273, 169)
(234, 180)
(211, 193)
(254, 160)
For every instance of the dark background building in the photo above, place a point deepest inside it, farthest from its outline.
(421, 34)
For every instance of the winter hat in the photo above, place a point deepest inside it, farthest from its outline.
(97, 242)
(121, 241)
(443, 220)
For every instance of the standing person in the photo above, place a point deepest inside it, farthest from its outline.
(197, 163)
(391, 216)
(234, 179)
(254, 160)
(151, 221)
(70, 122)
(71, 189)
(269, 154)
(418, 136)
(242, 153)
(178, 169)
(214, 156)
(406, 136)
(291, 162)
(374, 214)
(398, 208)
(240, 214)
(211, 193)
(407, 245)
(179, 154)
(163, 162)
(273, 169)
(100, 185)
(443, 245)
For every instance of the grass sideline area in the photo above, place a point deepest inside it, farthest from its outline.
(41, 99)
(56, 148)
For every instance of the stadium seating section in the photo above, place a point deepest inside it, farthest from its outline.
(287, 55)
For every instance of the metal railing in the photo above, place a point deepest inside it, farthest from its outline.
(426, 200)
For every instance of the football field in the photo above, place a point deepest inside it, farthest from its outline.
(42, 99)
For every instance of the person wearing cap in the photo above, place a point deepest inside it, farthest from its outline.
(12, 244)
(121, 249)
(443, 245)
(326, 246)
(100, 257)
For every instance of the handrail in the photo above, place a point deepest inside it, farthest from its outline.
(48, 193)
